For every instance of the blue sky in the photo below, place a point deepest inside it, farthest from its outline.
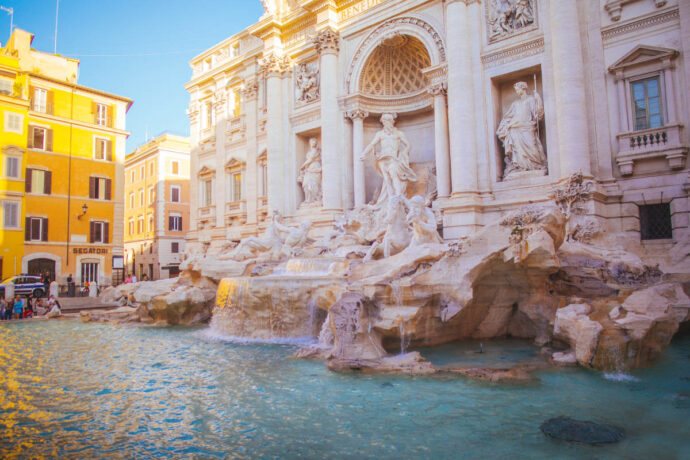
(143, 48)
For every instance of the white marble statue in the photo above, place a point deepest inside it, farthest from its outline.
(396, 236)
(519, 132)
(392, 160)
(252, 247)
(307, 82)
(423, 222)
(296, 237)
(509, 16)
(310, 174)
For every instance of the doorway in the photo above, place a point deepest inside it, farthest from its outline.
(40, 266)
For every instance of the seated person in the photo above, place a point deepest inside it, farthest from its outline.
(40, 308)
(54, 308)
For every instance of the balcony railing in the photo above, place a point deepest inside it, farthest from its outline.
(651, 143)
(46, 107)
(236, 124)
(236, 207)
(207, 211)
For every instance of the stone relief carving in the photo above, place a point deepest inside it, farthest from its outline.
(392, 160)
(310, 174)
(518, 131)
(506, 17)
(307, 82)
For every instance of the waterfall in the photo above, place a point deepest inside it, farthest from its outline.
(231, 293)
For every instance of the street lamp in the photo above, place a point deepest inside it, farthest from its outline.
(84, 208)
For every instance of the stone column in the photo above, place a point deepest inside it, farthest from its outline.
(622, 103)
(326, 44)
(569, 88)
(461, 113)
(251, 177)
(670, 94)
(275, 66)
(438, 91)
(359, 184)
(221, 124)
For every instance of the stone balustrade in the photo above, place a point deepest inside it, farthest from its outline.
(237, 124)
(651, 143)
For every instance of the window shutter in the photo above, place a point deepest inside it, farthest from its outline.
(49, 104)
(47, 182)
(44, 230)
(27, 229)
(92, 230)
(92, 187)
(27, 180)
(94, 112)
(30, 140)
(107, 189)
(49, 140)
(180, 229)
(106, 232)
(32, 95)
(109, 116)
(109, 150)
(170, 222)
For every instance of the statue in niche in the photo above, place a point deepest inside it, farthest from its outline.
(519, 132)
(392, 160)
(508, 16)
(310, 174)
(423, 222)
(307, 82)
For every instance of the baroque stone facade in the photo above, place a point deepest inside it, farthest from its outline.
(503, 99)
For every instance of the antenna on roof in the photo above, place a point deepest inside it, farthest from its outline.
(9, 11)
(57, 7)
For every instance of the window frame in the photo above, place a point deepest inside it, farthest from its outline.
(5, 167)
(132, 200)
(105, 142)
(175, 164)
(17, 213)
(40, 100)
(152, 194)
(174, 247)
(20, 121)
(140, 224)
(661, 96)
(131, 226)
(101, 118)
(175, 222)
(173, 189)
(151, 223)
(141, 197)
(44, 139)
(40, 221)
(99, 224)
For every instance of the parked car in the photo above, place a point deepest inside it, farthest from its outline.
(24, 285)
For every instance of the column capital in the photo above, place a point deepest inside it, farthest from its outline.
(466, 2)
(356, 114)
(438, 89)
(250, 90)
(274, 65)
(327, 41)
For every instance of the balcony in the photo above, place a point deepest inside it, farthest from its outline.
(236, 212)
(236, 124)
(207, 212)
(664, 142)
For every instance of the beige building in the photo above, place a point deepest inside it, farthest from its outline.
(499, 100)
(156, 207)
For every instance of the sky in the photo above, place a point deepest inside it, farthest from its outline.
(139, 49)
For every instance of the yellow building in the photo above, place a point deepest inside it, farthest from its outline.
(63, 209)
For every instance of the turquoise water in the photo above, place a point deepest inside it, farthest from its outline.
(75, 390)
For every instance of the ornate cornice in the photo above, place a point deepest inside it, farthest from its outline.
(274, 65)
(327, 41)
(611, 32)
(522, 50)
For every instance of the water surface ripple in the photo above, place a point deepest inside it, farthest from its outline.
(73, 390)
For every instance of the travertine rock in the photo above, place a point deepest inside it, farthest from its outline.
(574, 326)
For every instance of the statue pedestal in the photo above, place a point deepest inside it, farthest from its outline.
(321, 220)
(518, 175)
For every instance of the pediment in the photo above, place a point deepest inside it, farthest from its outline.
(643, 54)
(263, 155)
(12, 150)
(205, 171)
(234, 163)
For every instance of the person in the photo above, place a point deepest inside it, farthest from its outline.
(2, 309)
(85, 289)
(40, 308)
(70, 286)
(310, 173)
(46, 283)
(134, 278)
(28, 309)
(18, 308)
(392, 160)
(145, 277)
(518, 132)
(128, 280)
(9, 305)
(54, 305)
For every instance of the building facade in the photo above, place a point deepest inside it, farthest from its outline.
(156, 207)
(68, 142)
(499, 101)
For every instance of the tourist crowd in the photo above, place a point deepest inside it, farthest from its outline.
(28, 307)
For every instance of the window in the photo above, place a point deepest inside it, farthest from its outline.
(142, 172)
(13, 122)
(175, 193)
(150, 222)
(207, 193)
(208, 112)
(131, 200)
(264, 180)
(655, 221)
(151, 168)
(36, 229)
(175, 167)
(12, 167)
(646, 96)
(103, 149)
(132, 177)
(99, 232)
(175, 223)
(152, 195)
(99, 188)
(131, 226)
(140, 224)
(5, 86)
(235, 187)
(141, 197)
(10, 214)
(89, 272)
(175, 247)
(101, 114)
(40, 100)
(238, 103)
(40, 138)
(38, 181)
